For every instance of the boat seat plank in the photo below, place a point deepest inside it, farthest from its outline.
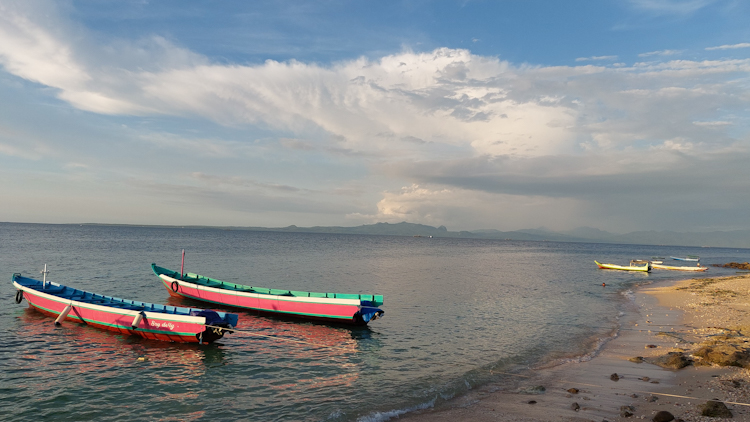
(53, 290)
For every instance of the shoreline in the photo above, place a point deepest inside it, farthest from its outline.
(671, 323)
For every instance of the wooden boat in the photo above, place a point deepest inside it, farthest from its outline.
(354, 309)
(634, 266)
(669, 267)
(148, 320)
(693, 258)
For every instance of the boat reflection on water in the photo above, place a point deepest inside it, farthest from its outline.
(286, 359)
(74, 349)
(305, 356)
(293, 336)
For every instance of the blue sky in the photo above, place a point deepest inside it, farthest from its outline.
(621, 115)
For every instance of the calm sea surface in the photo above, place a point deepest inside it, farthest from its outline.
(458, 314)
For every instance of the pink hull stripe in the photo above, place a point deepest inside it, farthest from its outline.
(154, 325)
(343, 309)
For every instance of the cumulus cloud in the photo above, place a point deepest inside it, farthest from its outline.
(446, 96)
(470, 136)
(462, 207)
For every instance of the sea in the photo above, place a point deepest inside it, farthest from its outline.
(459, 314)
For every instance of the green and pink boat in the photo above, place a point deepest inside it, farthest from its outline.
(148, 320)
(340, 308)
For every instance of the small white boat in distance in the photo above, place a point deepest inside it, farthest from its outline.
(694, 258)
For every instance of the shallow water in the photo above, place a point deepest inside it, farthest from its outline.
(458, 314)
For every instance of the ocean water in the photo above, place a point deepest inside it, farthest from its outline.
(459, 313)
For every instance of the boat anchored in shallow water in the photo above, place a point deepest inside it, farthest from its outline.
(148, 320)
(635, 265)
(694, 258)
(674, 268)
(342, 308)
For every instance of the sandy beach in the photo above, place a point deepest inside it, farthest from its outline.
(701, 323)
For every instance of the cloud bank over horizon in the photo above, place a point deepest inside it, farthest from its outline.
(140, 129)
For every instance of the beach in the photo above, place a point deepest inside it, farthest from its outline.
(701, 324)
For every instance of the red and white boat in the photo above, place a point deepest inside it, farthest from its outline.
(351, 309)
(148, 320)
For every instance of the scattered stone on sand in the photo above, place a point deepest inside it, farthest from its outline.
(672, 360)
(644, 378)
(626, 411)
(637, 359)
(573, 390)
(652, 399)
(663, 416)
(715, 409)
(532, 402)
(614, 377)
(575, 407)
(650, 346)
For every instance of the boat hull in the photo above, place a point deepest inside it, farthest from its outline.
(643, 268)
(674, 268)
(183, 328)
(322, 309)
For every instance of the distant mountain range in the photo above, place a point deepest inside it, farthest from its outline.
(727, 239)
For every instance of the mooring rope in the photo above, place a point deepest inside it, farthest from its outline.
(251, 333)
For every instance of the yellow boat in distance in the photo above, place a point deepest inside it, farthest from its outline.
(670, 267)
(634, 266)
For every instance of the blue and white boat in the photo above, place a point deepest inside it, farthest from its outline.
(694, 258)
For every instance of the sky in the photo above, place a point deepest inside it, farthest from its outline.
(622, 115)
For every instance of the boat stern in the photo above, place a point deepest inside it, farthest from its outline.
(367, 314)
(217, 324)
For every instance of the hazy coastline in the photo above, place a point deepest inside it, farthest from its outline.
(712, 239)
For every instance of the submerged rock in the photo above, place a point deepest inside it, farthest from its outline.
(575, 407)
(614, 377)
(736, 265)
(537, 389)
(715, 409)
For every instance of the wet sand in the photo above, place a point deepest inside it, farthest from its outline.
(681, 317)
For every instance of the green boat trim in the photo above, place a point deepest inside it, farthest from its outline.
(375, 300)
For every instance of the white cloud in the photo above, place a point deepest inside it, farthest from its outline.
(660, 53)
(596, 58)
(446, 96)
(730, 47)
(461, 207)
(715, 123)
